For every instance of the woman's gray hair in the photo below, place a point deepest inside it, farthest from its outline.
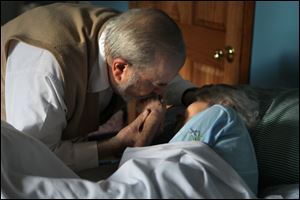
(138, 34)
(227, 95)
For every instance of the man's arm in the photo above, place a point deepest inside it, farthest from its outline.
(34, 95)
(189, 96)
(180, 92)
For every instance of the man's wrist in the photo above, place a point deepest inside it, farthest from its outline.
(110, 149)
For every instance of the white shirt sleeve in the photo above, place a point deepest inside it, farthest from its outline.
(35, 103)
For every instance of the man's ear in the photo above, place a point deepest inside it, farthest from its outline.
(119, 69)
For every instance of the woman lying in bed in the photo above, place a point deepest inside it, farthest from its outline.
(221, 117)
(175, 170)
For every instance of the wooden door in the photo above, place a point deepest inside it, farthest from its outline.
(207, 27)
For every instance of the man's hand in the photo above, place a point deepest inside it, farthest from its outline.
(142, 104)
(142, 130)
(138, 133)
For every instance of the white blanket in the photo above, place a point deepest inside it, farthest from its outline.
(178, 170)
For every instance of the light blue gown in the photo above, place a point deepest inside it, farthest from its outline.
(224, 131)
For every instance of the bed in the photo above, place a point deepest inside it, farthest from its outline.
(176, 170)
(275, 138)
(187, 170)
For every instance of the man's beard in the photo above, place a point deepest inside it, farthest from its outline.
(122, 89)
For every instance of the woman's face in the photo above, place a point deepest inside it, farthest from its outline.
(193, 109)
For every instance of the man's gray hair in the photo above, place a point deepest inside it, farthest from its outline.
(138, 34)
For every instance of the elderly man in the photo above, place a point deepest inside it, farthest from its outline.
(63, 67)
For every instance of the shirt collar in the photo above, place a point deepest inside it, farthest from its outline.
(99, 77)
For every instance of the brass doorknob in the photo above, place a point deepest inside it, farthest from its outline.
(229, 52)
(218, 54)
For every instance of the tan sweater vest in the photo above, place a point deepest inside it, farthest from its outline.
(70, 32)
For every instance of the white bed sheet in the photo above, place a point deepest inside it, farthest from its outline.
(178, 170)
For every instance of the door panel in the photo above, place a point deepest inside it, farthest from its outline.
(208, 26)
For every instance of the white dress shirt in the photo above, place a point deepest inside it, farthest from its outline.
(35, 100)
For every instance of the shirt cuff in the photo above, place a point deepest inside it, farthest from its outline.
(85, 155)
(176, 89)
